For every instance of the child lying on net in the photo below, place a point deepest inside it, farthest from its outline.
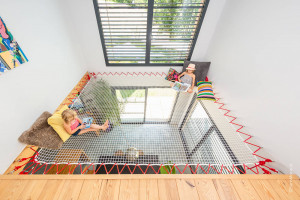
(187, 77)
(73, 125)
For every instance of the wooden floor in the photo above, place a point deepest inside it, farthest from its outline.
(132, 187)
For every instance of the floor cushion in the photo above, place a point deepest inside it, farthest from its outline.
(57, 124)
(41, 134)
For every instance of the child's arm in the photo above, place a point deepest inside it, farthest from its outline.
(181, 76)
(68, 128)
(193, 84)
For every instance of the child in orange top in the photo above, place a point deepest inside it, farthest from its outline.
(73, 125)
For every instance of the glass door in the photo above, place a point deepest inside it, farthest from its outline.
(146, 105)
(160, 104)
(132, 104)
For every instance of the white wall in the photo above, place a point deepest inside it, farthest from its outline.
(207, 30)
(41, 84)
(255, 68)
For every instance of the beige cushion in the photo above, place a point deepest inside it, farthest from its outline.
(57, 124)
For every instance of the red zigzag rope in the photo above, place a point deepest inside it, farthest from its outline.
(260, 163)
(127, 73)
(80, 86)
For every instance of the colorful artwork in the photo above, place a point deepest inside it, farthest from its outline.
(11, 54)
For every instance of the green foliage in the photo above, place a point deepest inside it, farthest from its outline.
(169, 168)
(126, 93)
(102, 103)
(169, 16)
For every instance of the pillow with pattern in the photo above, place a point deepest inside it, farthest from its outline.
(172, 75)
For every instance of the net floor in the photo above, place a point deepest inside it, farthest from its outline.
(181, 131)
(158, 143)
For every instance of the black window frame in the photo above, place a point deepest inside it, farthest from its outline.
(148, 37)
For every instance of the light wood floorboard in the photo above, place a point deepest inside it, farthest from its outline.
(225, 189)
(187, 189)
(74, 187)
(167, 189)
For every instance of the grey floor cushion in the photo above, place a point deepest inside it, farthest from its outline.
(41, 134)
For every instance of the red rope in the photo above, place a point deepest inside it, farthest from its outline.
(184, 168)
(98, 168)
(123, 168)
(217, 170)
(80, 86)
(131, 172)
(239, 130)
(58, 172)
(80, 168)
(156, 172)
(179, 169)
(105, 168)
(192, 170)
(203, 170)
(69, 168)
(260, 165)
(45, 172)
(23, 171)
(126, 74)
(33, 171)
(144, 172)
(88, 168)
(231, 172)
(243, 172)
(112, 168)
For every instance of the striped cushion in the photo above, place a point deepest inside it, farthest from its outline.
(205, 90)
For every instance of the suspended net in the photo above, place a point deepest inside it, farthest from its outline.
(152, 125)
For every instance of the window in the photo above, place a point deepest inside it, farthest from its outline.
(149, 32)
(145, 104)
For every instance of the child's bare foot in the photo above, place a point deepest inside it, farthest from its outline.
(105, 125)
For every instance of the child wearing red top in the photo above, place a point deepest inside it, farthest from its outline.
(73, 125)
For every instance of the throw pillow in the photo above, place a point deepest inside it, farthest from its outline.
(205, 90)
(57, 124)
(172, 75)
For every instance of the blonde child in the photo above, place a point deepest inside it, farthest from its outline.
(73, 125)
(188, 77)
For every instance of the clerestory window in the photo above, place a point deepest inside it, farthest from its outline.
(149, 32)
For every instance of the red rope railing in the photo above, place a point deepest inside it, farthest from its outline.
(260, 163)
(32, 159)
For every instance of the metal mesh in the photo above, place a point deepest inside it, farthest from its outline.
(151, 124)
